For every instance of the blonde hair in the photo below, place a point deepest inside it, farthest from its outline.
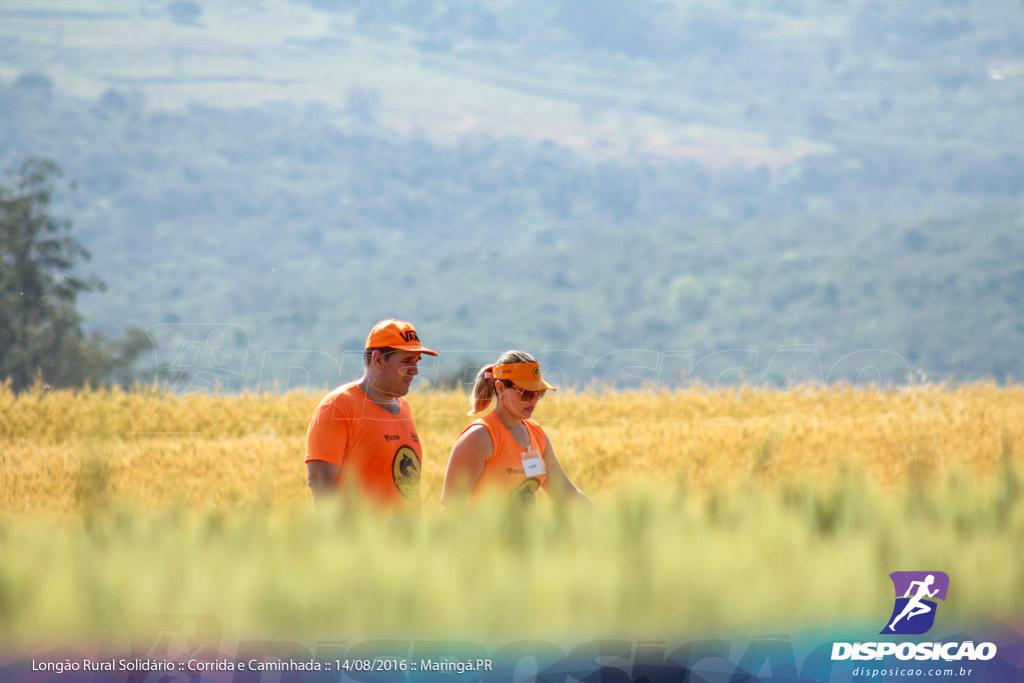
(483, 387)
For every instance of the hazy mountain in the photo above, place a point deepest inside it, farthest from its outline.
(803, 190)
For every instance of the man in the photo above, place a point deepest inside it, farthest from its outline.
(362, 440)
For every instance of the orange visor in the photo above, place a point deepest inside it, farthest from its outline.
(523, 375)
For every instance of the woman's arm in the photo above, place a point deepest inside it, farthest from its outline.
(465, 464)
(558, 484)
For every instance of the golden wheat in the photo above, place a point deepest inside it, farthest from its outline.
(225, 451)
(717, 509)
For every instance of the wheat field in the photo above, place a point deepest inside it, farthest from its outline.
(718, 510)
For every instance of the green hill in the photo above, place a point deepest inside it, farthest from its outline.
(801, 190)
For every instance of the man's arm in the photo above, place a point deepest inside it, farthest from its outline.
(322, 477)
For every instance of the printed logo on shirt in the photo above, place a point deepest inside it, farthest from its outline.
(406, 470)
(524, 493)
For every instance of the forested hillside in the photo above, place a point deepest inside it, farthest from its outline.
(720, 179)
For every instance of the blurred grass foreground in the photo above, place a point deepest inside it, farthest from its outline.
(718, 511)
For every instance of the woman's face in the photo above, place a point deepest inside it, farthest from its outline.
(519, 402)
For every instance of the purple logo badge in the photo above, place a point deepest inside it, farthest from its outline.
(917, 594)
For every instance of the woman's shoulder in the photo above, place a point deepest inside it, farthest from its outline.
(477, 437)
(536, 432)
(533, 425)
(477, 428)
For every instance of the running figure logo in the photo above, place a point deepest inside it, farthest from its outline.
(916, 596)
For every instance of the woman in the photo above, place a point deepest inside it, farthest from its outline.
(506, 452)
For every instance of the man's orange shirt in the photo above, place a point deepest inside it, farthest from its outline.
(379, 453)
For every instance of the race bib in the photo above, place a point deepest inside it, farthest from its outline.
(533, 464)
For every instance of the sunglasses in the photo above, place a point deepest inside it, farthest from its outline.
(530, 395)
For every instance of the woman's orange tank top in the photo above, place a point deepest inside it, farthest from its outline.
(503, 471)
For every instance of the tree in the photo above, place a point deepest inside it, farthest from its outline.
(40, 330)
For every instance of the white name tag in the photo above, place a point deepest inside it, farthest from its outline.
(533, 465)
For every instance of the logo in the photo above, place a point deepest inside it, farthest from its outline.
(916, 596)
(406, 470)
(536, 373)
(913, 614)
(524, 493)
(410, 336)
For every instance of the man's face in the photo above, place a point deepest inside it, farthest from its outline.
(393, 374)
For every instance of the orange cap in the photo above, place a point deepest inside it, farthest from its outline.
(396, 334)
(523, 375)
